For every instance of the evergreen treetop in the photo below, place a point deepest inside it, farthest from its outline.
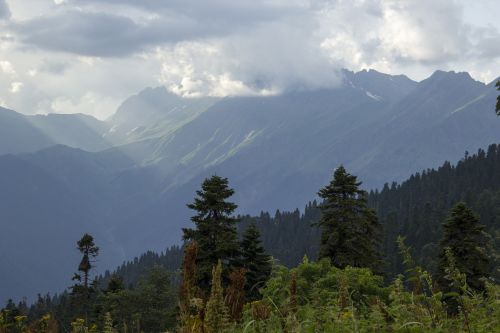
(89, 251)
(464, 236)
(350, 229)
(215, 231)
(256, 261)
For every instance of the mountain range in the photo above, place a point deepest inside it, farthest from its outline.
(127, 180)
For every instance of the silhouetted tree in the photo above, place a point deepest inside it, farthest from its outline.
(350, 229)
(89, 251)
(256, 262)
(81, 291)
(215, 231)
(464, 236)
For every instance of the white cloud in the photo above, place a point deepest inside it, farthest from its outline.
(247, 64)
(15, 87)
(90, 103)
(7, 68)
(88, 55)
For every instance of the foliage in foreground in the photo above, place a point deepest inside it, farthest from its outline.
(329, 299)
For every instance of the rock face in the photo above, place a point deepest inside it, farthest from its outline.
(277, 152)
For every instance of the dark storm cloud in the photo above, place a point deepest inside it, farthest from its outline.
(101, 33)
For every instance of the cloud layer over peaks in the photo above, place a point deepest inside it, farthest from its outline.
(68, 50)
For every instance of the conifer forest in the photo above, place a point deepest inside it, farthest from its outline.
(419, 256)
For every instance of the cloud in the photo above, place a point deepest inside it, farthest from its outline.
(15, 87)
(257, 62)
(305, 50)
(7, 68)
(90, 103)
(89, 55)
(4, 10)
(96, 34)
(119, 31)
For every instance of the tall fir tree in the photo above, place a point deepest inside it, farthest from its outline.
(464, 236)
(350, 231)
(215, 231)
(256, 261)
(82, 291)
(89, 251)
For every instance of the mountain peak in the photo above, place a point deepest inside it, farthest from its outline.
(450, 75)
(386, 86)
(459, 81)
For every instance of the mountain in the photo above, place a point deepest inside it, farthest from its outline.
(153, 112)
(276, 150)
(20, 133)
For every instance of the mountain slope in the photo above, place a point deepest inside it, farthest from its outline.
(20, 133)
(277, 152)
(153, 112)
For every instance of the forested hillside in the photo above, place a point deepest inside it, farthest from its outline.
(417, 207)
(277, 152)
(224, 280)
(414, 209)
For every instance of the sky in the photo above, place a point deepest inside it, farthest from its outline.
(87, 56)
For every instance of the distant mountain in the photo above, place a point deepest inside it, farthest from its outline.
(277, 152)
(20, 133)
(153, 112)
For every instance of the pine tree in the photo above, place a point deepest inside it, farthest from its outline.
(89, 250)
(215, 231)
(255, 260)
(349, 228)
(463, 235)
(115, 284)
(81, 292)
(216, 317)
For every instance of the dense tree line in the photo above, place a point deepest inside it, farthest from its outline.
(417, 207)
(284, 228)
(131, 271)
(226, 266)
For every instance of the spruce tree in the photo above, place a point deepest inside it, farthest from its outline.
(215, 231)
(115, 284)
(255, 260)
(464, 236)
(349, 228)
